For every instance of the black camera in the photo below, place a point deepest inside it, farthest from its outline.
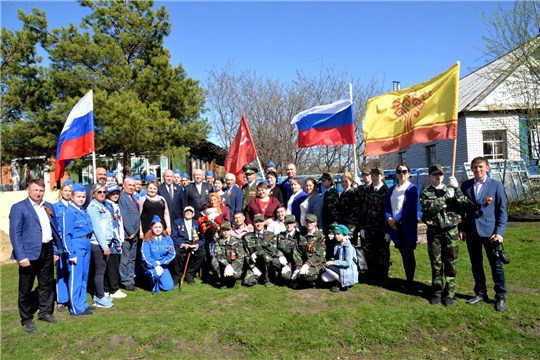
(499, 253)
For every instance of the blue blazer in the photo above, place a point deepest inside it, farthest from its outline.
(407, 217)
(315, 207)
(25, 231)
(179, 233)
(235, 200)
(130, 215)
(295, 207)
(176, 205)
(486, 218)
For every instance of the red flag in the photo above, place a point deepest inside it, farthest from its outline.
(242, 152)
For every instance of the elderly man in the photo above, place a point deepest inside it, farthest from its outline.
(101, 174)
(234, 197)
(249, 189)
(197, 193)
(129, 208)
(171, 193)
(33, 232)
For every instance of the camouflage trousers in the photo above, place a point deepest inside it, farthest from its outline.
(278, 268)
(443, 248)
(311, 276)
(264, 264)
(377, 252)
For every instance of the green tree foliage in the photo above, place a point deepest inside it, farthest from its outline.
(142, 103)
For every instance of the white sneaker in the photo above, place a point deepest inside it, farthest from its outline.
(107, 294)
(118, 295)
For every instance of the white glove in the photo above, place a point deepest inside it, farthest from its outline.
(283, 260)
(73, 260)
(363, 233)
(295, 274)
(304, 269)
(159, 270)
(229, 271)
(356, 181)
(387, 238)
(285, 269)
(450, 192)
(254, 257)
(256, 271)
(452, 181)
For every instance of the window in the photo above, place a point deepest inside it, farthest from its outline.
(494, 144)
(431, 155)
(402, 157)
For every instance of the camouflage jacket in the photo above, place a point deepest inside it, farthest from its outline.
(249, 192)
(373, 208)
(310, 249)
(437, 211)
(348, 209)
(231, 253)
(263, 245)
(285, 247)
(330, 208)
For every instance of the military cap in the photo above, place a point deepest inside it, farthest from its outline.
(311, 218)
(150, 177)
(67, 182)
(176, 171)
(189, 208)
(249, 169)
(185, 176)
(377, 170)
(258, 217)
(78, 188)
(366, 171)
(156, 219)
(326, 176)
(341, 229)
(347, 174)
(436, 169)
(110, 174)
(271, 163)
(289, 219)
(225, 225)
(209, 173)
(137, 177)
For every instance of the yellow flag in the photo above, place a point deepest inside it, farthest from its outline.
(420, 113)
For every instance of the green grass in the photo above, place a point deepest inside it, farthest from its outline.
(366, 322)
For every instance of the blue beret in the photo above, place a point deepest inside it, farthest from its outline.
(156, 219)
(341, 229)
(112, 187)
(176, 171)
(150, 177)
(137, 177)
(110, 174)
(78, 188)
(271, 163)
(67, 182)
(185, 176)
(209, 173)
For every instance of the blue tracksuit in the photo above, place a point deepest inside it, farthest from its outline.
(155, 254)
(62, 273)
(77, 230)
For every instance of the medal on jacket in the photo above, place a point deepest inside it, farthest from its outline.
(233, 256)
(182, 226)
(489, 200)
(310, 247)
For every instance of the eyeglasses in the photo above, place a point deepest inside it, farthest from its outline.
(402, 171)
(101, 192)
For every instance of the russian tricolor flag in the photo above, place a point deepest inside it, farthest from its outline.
(331, 124)
(77, 137)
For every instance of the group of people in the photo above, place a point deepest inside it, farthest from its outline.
(296, 232)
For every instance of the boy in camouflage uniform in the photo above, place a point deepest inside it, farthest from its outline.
(373, 228)
(330, 210)
(442, 206)
(286, 240)
(228, 263)
(309, 254)
(260, 250)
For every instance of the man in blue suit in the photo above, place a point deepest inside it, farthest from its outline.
(171, 193)
(484, 225)
(234, 197)
(36, 246)
(131, 219)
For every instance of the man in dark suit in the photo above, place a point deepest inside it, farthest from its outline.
(131, 219)
(36, 246)
(484, 225)
(234, 197)
(186, 238)
(197, 193)
(171, 193)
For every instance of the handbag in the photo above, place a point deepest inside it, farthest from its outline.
(360, 259)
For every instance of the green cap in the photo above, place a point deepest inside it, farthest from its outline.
(327, 176)
(311, 218)
(225, 225)
(436, 169)
(249, 169)
(258, 217)
(377, 170)
(290, 219)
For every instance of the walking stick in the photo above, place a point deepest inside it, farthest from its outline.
(185, 269)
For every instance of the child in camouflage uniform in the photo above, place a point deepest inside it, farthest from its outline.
(228, 263)
(260, 250)
(309, 254)
(442, 206)
(286, 240)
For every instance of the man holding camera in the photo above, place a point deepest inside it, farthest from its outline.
(485, 225)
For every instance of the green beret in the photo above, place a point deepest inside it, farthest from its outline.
(341, 229)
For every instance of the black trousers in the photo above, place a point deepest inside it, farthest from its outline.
(179, 262)
(43, 269)
(112, 274)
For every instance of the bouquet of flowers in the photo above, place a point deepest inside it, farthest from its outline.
(210, 220)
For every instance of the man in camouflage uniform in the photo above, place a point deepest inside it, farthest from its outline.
(309, 255)
(348, 207)
(442, 206)
(284, 260)
(361, 192)
(373, 229)
(330, 210)
(260, 248)
(249, 189)
(228, 263)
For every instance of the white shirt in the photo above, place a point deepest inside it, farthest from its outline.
(276, 227)
(46, 231)
(289, 203)
(189, 229)
(398, 197)
(478, 185)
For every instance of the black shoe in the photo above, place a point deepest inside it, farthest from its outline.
(335, 289)
(436, 300)
(85, 313)
(448, 302)
(476, 299)
(62, 307)
(91, 308)
(130, 287)
(48, 318)
(501, 305)
(29, 327)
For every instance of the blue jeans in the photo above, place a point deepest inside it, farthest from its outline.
(127, 261)
(474, 244)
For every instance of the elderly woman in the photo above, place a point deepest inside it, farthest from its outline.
(262, 204)
(62, 273)
(151, 205)
(313, 204)
(342, 269)
(101, 240)
(297, 197)
(401, 211)
(274, 189)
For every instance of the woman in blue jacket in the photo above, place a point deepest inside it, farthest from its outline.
(157, 253)
(112, 274)
(343, 269)
(401, 212)
(62, 273)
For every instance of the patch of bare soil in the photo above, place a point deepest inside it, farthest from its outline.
(5, 248)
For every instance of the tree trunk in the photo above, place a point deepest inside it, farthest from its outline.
(126, 164)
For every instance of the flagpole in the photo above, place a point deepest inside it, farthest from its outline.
(94, 166)
(353, 145)
(260, 167)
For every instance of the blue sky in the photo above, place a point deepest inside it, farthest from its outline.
(405, 41)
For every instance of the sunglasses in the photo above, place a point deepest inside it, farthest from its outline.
(101, 192)
(402, 171)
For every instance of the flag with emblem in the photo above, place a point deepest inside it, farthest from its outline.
(417, 114)
(242, 152)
